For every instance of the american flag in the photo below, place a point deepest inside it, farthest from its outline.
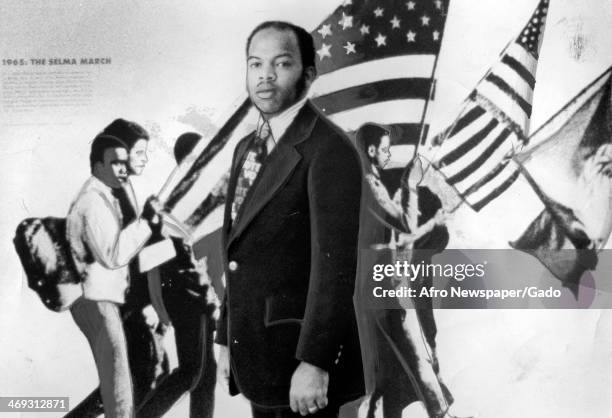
(474, 155)
(375, 60)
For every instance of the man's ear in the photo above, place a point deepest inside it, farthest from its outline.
(97, 166)
(372, 151)
(310, 74)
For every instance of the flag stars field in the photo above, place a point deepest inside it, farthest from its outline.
(395, 23)
(380, 40)
(324, 51)
(364, 29)
(349, 47)
(346, 21)
(410, 5)
(325, 31)
(378, 12)
(411, 36)
(425, 20)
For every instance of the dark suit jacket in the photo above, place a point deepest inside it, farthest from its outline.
(387, 354)
(292, 256)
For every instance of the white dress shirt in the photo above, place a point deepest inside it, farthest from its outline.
(93, 229)
(280, 123)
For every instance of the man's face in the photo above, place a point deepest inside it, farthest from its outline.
(381, 155)
(138, 157)
(274, 70)
(112, 170)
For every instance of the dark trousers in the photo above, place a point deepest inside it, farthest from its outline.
(409, 368)
(193, 330)
(328, 412)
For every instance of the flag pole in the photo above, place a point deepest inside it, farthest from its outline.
(431, 90)
(216, 143)
(179, 171)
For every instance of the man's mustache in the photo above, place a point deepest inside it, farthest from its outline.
(264, 85)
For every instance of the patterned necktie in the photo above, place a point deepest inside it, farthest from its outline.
(255, 156)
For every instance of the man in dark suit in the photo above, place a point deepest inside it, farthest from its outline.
(288, 335)
(399, 339)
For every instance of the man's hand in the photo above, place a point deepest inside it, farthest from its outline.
(308, 392)
(404, 239)
(151, 210)
(150, 316)
(201, 266)
(441, 217)
(223, 367)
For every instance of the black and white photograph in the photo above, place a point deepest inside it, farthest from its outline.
(332, 208)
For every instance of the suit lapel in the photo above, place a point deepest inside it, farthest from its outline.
(275, 171)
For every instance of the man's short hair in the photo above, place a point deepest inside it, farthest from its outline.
(129, 132)
(370, 134)
(184, 144)
(305, 40)
(100, 144)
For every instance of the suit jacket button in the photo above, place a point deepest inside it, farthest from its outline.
(233, 266)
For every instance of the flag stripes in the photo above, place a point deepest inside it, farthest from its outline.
(464, 121)
(389, 112)
(496, 182)
(378, 91)
(474, 151)
(473, 176)
(481, 159)
(503, 85)
(469, 144)
(521, 70)
(405, 66)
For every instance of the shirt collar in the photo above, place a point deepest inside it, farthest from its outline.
(280, 123)
(99, 185)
